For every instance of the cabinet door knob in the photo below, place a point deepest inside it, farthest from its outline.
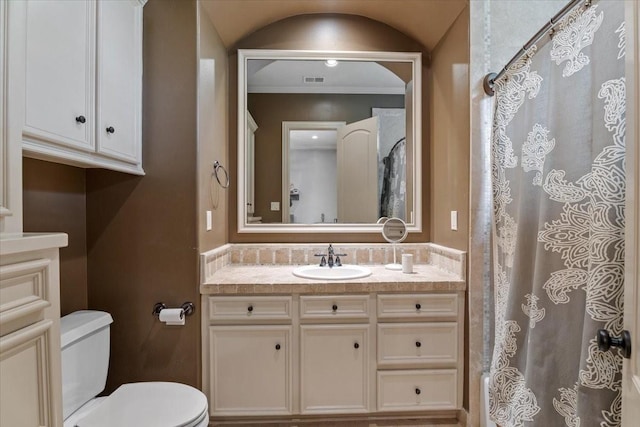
(81, 119)
(356, 345)
(418, 344)
(277, 346)
(110, 129)
(250, 308)
(418, 391)
(334, 307)
(418, 306)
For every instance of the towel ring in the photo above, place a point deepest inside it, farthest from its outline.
(216, 167)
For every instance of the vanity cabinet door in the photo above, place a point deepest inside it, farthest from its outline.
(250, 370)
(334, 369)
(25, 377)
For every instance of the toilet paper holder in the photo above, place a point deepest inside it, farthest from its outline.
(188, 308)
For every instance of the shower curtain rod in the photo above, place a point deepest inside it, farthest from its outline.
(491, 78)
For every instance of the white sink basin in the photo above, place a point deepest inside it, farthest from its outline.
(345, 272)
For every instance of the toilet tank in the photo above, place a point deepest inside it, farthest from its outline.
(85, 357)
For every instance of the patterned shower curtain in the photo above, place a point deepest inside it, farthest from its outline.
(558, 178)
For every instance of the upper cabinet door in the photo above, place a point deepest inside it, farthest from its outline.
(59, 73)
(119, 56)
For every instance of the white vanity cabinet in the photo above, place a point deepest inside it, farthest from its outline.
(341, 354)
(250, 349)
(81, 74)
(30, 368)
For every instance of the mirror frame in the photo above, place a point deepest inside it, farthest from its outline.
(415, 58)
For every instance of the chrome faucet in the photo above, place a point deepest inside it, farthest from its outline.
(328, 258)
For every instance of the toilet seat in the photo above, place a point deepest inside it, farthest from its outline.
(150, 404)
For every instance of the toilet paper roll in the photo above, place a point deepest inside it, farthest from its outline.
(172, 316)
(407, 263)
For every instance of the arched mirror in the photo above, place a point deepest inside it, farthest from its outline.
(327, 140)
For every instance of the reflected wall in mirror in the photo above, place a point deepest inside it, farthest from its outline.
(328, 144)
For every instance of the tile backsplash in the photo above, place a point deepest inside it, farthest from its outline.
(449, 260)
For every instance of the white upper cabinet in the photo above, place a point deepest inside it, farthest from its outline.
(82, 81)
(119, 76)
(59, 73)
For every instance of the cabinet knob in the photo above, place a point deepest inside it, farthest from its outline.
(334, 307)
(418, 391)
(81, 119)
(277, 346)
(356, 345)
(110, 129)
(418, 344)
(418, 306)
(250, 308)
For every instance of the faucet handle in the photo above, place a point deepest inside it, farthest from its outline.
(323, 260)
(338, 262)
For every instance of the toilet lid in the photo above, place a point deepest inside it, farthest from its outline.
(152, 404)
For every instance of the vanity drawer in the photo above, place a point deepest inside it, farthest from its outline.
(417, 390)
(24, 293)
(418, 306)
(249, 308)
(334, 307)
(418, 344)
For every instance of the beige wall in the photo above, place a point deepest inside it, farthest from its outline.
(449, 109)
(212, 133)
(450, 142)
(322, 32)
(141, 231)
(54, 198)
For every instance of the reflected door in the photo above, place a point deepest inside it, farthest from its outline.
(357, 152)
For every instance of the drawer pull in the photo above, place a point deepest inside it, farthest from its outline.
(277, 346)
(418, 306)
(356, 346)
(250, 308)
(334, 307)
(81, 119)
(110, 129)
(418, 344)
(418, 391)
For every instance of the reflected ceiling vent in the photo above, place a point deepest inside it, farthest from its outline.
(313, 79)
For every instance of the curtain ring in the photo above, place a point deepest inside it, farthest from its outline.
(216, 167)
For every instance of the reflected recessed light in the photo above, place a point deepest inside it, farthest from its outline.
(331, 62)
(314, 137)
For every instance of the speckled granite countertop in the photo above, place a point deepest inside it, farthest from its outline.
(278, 279)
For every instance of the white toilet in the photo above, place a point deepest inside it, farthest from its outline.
(85, 360)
